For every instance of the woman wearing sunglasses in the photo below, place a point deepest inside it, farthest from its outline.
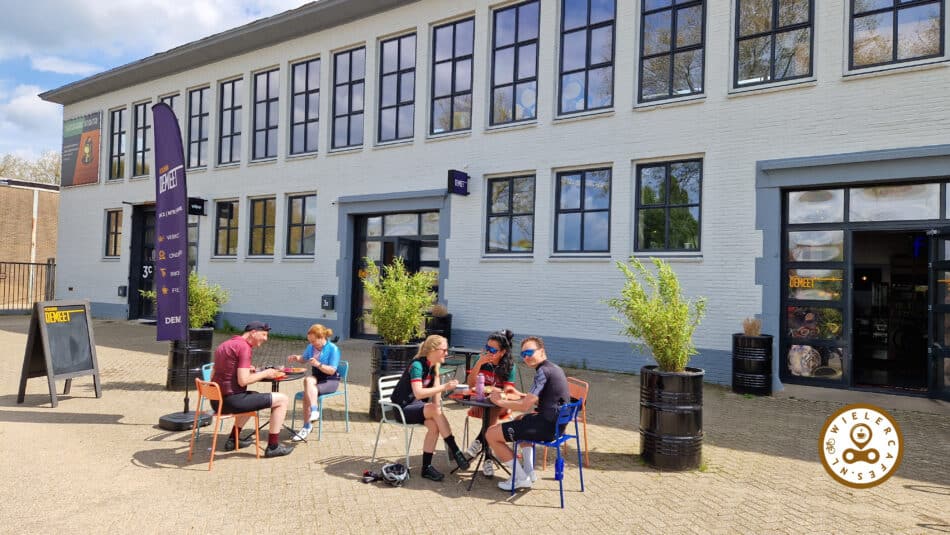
(496, 364)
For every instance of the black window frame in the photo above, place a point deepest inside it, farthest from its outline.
(270, 205)
(350, 113)
(230, 140)
(117, 144)
(269, 102)
(198, 141)
(401, 102)
(454, 59)
(588, 67)
(666, 206)
(581, 210)
(515, 45)
(510, 214)
(226, 220)
(113, 233)
(142, 125)
(772, 33)
(907, 4)
(302, 225)
(673, 50)
(311, 114)
(170, 101)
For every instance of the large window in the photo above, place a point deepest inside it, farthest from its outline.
(510, 215)
(397, 88)
(668, 200)
(515, 63)
(113, 232)
(199, 108)
(301, 224)
(262, 227)
(226, 228)
(672, 47)
(773, 41)
(452, 77)
(266, 95)
(587, 55)
(117, 144)
(140, 148)
(172, 101)
(229, 120)
(582, 223)
(305, 121)
(885, 31)
(349, 71)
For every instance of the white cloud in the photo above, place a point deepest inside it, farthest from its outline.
(29, 125)
(63, 66)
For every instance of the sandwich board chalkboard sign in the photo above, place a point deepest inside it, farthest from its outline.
(60, 346)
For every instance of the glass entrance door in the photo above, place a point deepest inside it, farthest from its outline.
(939, 351)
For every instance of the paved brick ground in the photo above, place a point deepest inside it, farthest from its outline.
(103, 466)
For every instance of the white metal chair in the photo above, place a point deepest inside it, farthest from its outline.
(392, 413)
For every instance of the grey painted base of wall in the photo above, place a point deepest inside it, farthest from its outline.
(609, 356)
(109, 311)
(290, 326)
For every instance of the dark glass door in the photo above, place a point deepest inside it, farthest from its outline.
(142, 262)
(939, 350)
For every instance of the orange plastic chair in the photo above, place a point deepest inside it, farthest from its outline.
(578, 390)
(212, 392)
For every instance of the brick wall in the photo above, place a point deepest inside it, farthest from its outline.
(16, 207)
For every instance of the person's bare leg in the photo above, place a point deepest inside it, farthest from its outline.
(278, 411)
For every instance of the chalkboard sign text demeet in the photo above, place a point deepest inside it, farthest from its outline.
(60, 346)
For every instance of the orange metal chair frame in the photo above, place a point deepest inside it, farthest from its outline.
(578, 390)
(212, 392)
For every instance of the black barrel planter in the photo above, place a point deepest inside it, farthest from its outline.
(671, 418)
(185, 361)
(387, 360)
(752, 364)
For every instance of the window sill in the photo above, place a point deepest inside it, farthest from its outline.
(262, 161)
(599, 258)
(669, 256)
(345, 150)
(111, 258)
(771, 88)
(669, 103)
(449, 135)
(502, 257)
(898, 68)
(140, 178)
(519, 125)
(200, 169)
(584, 115)
(264, 259)
(225, 166)
(302, 156)
(301, 259)
(115, 180)
(224, 258)
(393, 144)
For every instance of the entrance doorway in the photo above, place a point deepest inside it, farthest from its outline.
(142, 262)
(890, 299)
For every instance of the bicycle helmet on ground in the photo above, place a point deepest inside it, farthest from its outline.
(395, 474)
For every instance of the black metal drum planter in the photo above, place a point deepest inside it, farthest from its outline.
(387, 360)
(671, 418)
(185, 360)
(752, 364)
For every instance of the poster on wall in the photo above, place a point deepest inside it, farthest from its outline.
(81, 150)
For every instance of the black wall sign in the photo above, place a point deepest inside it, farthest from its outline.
(196, 206)
(60, 346)
(458, 182)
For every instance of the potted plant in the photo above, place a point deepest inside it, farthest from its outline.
(752, 359)
(399, 300)
(657, 317)
(204, 303)
(439, 321)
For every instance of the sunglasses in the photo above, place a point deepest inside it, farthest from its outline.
(491, 349)
(527, 353)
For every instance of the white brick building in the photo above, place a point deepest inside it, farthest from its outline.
(838, 111)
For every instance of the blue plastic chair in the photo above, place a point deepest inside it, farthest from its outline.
(344, 370)
(566, 414)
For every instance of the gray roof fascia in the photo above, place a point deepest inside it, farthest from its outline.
(304, 20)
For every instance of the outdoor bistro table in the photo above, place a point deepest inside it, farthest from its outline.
(488, 408)
(275, 387)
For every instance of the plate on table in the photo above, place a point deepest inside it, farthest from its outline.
(294, 370)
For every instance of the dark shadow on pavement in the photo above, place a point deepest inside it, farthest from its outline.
(55, 417)
(133, 386)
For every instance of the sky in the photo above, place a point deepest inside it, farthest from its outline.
(45, 44)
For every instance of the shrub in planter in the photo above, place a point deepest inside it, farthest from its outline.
(657, 317)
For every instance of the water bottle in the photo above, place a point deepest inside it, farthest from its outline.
(480, 386)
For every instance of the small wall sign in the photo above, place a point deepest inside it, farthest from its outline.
(458, 182)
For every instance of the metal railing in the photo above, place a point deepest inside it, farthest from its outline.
(24, 283)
